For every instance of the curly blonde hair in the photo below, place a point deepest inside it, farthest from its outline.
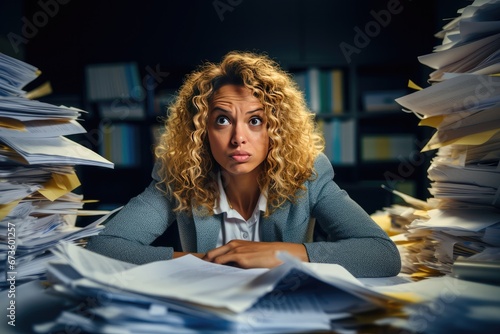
(188, 170)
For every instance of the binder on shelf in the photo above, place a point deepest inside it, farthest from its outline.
(113, 80)
(323, 89)
(340, 141)
(121, 110)
(121, 144)
(116, 89)
(385, 147)
(337, 77)
(382, 100)
(313, 86)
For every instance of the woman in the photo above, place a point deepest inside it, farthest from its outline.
(240, 175)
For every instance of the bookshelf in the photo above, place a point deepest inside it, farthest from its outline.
(368, 139)
(367, 147)
(121, 116)
(299, 34)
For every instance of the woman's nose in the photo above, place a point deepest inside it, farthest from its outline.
(239, 136)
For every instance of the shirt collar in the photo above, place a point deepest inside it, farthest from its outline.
(222, 204)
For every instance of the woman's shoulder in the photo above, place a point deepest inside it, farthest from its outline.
(322, 173)
(322, 164)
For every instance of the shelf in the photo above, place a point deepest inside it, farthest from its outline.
(344, 132)
(379, 143)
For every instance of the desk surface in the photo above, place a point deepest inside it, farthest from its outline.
(34, 305)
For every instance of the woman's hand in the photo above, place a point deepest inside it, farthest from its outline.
(251, 254)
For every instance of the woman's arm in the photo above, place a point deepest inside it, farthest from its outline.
(127, 236)
(353, 239)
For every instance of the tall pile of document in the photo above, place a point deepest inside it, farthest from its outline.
(462, 102)
(37, 205)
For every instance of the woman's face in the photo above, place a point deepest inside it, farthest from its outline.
(237, 130)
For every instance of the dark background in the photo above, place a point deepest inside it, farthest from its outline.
(61, 37)
(178, 35)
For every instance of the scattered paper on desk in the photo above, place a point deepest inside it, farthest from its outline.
(216, 297)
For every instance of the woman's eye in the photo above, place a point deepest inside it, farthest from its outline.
(222, 120)
(255, 121)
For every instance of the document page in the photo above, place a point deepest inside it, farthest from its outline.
(189, 279)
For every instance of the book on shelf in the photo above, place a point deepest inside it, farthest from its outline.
(119, 109)
(382, 100)
(116, 90)
(323, 89)
(379, 147)
(112, 80)
(340, 142)
(121, 144)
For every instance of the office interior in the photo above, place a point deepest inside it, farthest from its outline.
(370, 47)
(375, 44)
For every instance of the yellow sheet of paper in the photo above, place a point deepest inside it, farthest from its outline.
(59, 185)
(13, 124)
(408, 242)
(41, 91)
(384, 221)
(474, 139)
(432, 121)
(6, 208)
(409, 297)
(413, 85)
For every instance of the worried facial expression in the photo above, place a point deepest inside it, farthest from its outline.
(237, 130)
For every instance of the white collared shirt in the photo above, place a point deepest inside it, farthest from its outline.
(234, 226)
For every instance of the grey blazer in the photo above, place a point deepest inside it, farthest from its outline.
(333, 228)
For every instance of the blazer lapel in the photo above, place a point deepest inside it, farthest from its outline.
(207, 230)
(272, 228)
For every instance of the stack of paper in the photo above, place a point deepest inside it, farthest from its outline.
(463, 105)
(37, 176)
(454, 306)
(189, 295)
(14, 75)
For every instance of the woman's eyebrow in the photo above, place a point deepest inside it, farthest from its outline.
(220, 109)
(253, 111)
(227, 111)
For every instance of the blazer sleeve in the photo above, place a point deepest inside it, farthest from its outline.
(127, 235)
(349, 236)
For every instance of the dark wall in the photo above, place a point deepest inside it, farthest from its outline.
(61, 36)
